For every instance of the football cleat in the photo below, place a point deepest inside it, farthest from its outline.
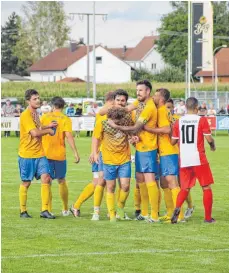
(95, 217)
(188, 213)
(175, 215)
(210, 221)
(65, 213)
(25, 214)
(141, 218)
(46, 214)
(151, 220)
(137, 213)
(75, 212)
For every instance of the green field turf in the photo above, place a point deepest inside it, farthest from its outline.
(80, 245)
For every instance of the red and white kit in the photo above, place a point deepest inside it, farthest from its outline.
(190, 131)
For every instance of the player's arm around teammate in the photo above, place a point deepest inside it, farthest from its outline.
(32, 160)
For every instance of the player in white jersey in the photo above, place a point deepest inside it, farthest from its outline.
(189, 131)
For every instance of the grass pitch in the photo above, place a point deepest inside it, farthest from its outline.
(74, 245)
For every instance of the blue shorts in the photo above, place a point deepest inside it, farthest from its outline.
(169, 165)
(112, 172)
(98, 167)
(58, 168)
(157, 174)
(146, 162)
(33, 167)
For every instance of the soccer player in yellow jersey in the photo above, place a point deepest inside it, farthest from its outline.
(120, 100)
(32, 160)
(189, 211)
(55, 150)
(97, 171)
(168, 153)
(116, 159)
(146, 149)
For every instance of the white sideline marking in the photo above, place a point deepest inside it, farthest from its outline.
(150, 251)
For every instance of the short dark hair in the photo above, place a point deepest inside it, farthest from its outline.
(191, 103)
(121, 92)
(109, 96)
(58, 102)
(170, 100)
(146, 83)
(164, 93)
(29, 93)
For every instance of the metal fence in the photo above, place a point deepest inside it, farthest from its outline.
(209, 98)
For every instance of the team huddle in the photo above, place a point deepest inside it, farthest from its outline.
(169, 156)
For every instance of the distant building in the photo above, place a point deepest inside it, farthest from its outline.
(143, 56)
(12, 78)
(65, 63)
(222, 57)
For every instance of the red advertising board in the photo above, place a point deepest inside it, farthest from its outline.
(212, 122)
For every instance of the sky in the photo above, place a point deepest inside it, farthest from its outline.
(127, 21)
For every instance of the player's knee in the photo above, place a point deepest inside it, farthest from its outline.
(46, 179)
(61, 180)
(125, 188)
(208, 187)
(26, 184)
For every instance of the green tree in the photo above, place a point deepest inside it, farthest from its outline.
(44, 29)
(173, 40)
(9, 38)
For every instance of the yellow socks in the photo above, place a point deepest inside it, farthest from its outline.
(111, 204)
(144, 199)
(168, 201)
(98, 195)
(137, 199)
(175, 193)
(153, 193)
(45, 193)
(159, 198)
(117, 193)
(23, 197)
(122, 198)
(50, 202)
(86, 193)
(63, 191)
(189, 201)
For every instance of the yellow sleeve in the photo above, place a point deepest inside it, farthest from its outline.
(135, 103)
(145, 115)
(28, 123)
(68, 125)
(98, 130)
(165, 118)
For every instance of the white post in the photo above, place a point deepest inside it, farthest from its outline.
(189, 47)
(94, 58)
(216, 83)
(88, 59)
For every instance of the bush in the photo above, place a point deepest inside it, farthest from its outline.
(169, 74)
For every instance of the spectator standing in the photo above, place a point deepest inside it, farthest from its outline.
(8, 111)
(45, 108)
(202, 110)
(222, 111)
(70, 111)
(78, 113)
(17, 112)
(180, 109)
(92, 110)
(211, 111)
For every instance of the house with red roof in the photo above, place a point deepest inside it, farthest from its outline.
(222, 61)
(113, 65)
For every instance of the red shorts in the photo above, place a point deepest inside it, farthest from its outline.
(188, 176)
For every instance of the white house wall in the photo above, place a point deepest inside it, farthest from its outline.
(111, 70)
(47, 76)
(152, 57)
